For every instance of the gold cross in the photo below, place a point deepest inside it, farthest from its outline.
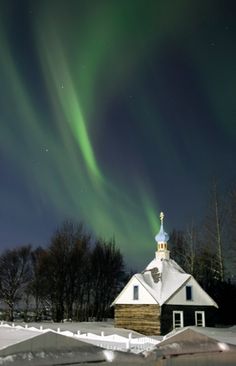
(162, 217)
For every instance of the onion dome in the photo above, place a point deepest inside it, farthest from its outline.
(162, 236)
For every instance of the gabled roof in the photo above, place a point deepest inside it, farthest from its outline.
(162, 279)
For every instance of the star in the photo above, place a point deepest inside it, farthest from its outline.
(44, 149)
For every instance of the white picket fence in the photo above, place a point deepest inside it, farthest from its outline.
(119, 343)
(113, 342)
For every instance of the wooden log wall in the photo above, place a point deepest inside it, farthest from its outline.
(144, 319)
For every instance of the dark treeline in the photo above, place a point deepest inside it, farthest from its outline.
(75, 277)
(208, 251)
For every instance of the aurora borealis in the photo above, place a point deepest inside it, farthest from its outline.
(112, 111)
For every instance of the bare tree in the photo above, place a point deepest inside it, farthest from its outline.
(206, 263)
(179, 248)
(75, 280)
(231, 248)
(56, 266)
(64, 266)
(192, 240)
(39, 284)
(78, 267)
(107, 276)
(213, 230)
(14, 276)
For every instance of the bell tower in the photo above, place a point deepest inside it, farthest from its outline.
(162, 238)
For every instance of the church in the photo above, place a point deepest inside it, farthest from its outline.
(163, 296)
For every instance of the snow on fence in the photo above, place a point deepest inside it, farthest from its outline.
(113, 342)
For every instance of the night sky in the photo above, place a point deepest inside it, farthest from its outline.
(111, 111)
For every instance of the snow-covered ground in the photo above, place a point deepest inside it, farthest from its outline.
(99, 342)
(102, 334)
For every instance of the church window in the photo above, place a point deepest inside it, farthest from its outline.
(189, 294)
(178, 319)
(200, 318)
(135, 293)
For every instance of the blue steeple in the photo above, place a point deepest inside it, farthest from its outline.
(162, 236)
(162, 253)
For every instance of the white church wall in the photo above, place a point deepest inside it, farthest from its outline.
(199, 296)
(126, 295)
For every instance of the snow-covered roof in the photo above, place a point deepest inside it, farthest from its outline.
(224, 335)
(21, 346)
(162, 278)
(207, 343)
(164, 281)
(10, 336)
